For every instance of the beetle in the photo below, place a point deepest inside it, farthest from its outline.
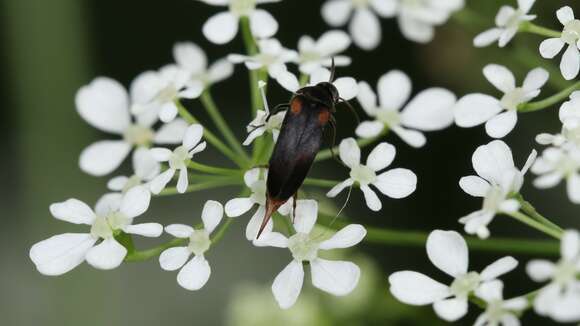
(309, 112)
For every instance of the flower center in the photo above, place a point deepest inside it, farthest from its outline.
(389, 117)
(179, 158)
(242, 7)
(573, 135)
(511, 100)
(465, 284)
(363, 174)
(302, 247)
(514, 19)
(199, 242)
(259, 192)
(167, 94)
(105, 226)
(266, 59)
(495, 311)
(567, 165)
(310, 56)
(138, 135)
(360, 3)
(571, 32)
(565, 272)
(493, 198)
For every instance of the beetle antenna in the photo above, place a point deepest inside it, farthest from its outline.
(332, 69)
(351, 109)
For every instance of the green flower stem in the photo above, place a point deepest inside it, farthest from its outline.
(221, 182)
(323, 183)
(529, 209)
(211, 138)
(362, 142)
(221, 124)
(391, 237)
(219, 234)
(303, 79)
(212, 169)
(154, 252)
(535, 224)
(532, 28)
(285, 220)
(548, 102)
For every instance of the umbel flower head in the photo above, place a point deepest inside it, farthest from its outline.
(447, 250)
(549, 48)
(113, 214)
(507, 21)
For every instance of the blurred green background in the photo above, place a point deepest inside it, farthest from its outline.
(51, 48)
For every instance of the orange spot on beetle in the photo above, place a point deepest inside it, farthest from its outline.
(324, 116)
(296, 106)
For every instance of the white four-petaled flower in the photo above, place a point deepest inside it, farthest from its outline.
(497, 179)
(192, 59)
(114, 213)
(447, 250)
(507, 20)
(430, 110)
(195, 273)
(498, 312)
(395, 183)
(500, 115)
(557, 164)
(314, 54)
(549, 48)
(145, 168)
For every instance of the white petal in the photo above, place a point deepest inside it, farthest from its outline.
(255, 223)
(61, 253)
(432, 109)
(365, 29)
(288, 80)
(332, 42)
(567, 308)
(415, 29)
(475, 109)
(535, 79)
(565, 15)
(108, 254)
(161, 154)
(103, 157)
(346, 237)
(339, 187)
(396, 183)
(211, 215)
(499, 267)
(412, 137)
(117, 183)
(366, 97)
(451, 309)
(190, 56)
(570, 64)
(349, 152)
(73, 211)
(385, 8)
(305, 215)
(570, 245)
(491, 161)
(173, 258)
(490, 291)
(502, 124)
(507, 35)
(525, 5)
(252, 175)
(192, 136)
(381, 156)
(221, 28)
(171, 133)
(548, 180)
(108, 203)
(573, 188)
(135, 202)
(238, 206)
(474, 185)
(447, 250)
(347, 87)
(194, 274)
(104, 104)
(179, 230)
(540, 270)
(182, 181)
(263, 25)
(394, 89)
(168, 111)
(160, 181)
(550, 47)
(372, 200)
(487, 37)
(369, 129)
(152, 230)
(501, 77)
(220, 70)
(288, 284)
(335, 277)
(336, 12)
(146, 167)
(416, 289)
(509, 206)
(270, 239)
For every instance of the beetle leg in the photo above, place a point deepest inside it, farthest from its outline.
(294, 199)
(278, 108)
(332, 124)
(352, 110)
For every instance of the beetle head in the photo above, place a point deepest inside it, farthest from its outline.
(331, 89)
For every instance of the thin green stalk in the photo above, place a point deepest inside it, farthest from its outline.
(320, 182)
(303, 79)
(532, 28)
(211, 138)
(535, 224)
(212, 169)
(529, 209)
(219, 234)
(221, 124)
(203, 186)
(548, 102)
(154, 252)
(286, 221)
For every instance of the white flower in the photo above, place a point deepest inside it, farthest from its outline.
(556, 164)
(178, 159)
(500, 115)
(335, 277)
(430, 110)
(498, 178)
(447, 250)
(395, 183)
(196, 272)
(560, 299)
(271, 56)
(114, 213)
(316, 54)
(154, 92)
(146, 168)
(104, 104)
(264, 122)
(418, 18)
(346, 86)
(570, 64)
(507, 20)
(498, 311)
(569, 112)
(191, 58)
(365, 27)
(223, 27)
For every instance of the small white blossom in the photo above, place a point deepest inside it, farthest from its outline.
(507, 20)
(430, 110)
(497, 179)
(191, 58)
(314, 54)
(145, 168)
(195, 273)
(105, 105)
(223, 27)
(346, 86)
(335, 277)
(560, 299)
(447, 250)
(178, 159)
(557, 164)
(500, 115)
(549, 48)
(417, 19)
(264, 121)
(114, 213)
(395, 183)
(498, 311)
